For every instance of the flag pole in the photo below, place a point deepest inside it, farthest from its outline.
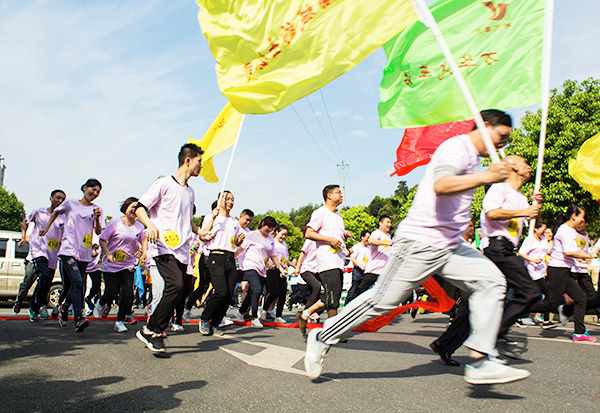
(237, 138)
(546, 60)
(428, 20)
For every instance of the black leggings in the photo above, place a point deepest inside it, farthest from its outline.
(313, 282)
(96, 277)
(276, 290)
(300, 295)
(366, 283)
(119, 284)
(202, 284)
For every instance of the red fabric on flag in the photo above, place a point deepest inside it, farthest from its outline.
(418, 144)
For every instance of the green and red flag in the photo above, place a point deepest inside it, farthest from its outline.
(498, 47)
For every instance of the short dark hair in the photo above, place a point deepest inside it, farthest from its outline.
(189, 150)
(91, 182)
(281, 227)
(56, 191)
(268, 221)
(364, 232)
(495, 117)
(247, 212)
(328, 189)
(539, 224)
(381, 218)
(127, 202)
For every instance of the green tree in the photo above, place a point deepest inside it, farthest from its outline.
(294, 241)
(12, 212)
(357, 219)
(301, 216)
(573, 117)
(376, 205)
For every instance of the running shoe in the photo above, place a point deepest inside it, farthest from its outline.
(154, 341)
(217, 331)
(506, 348)
(17, 307)
(54, 313)
(63, 316)
(205, 328)
(271, 314)
(89, 313)
(187, 315)
(547, 325)
(262, 314)
(81, 325)
(540, 319)
(280, 320)
(316, 351)
(528, 321)
(226, 321)
(563, 318)
(90, 303)
(130, 319)
(492, 372)
(33, 316)
(97, 311)
(44, 313)
(256, 323)
(520, 323)
(583, 338)
(120, 327)
(239, 316)
(176, 328)
(105, 311)
(301, 322)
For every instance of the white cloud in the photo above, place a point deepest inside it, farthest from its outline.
(357, 118)
(359, 133)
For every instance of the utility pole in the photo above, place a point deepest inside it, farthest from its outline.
(2, 169)
(343, 165)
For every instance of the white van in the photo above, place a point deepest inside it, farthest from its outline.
(12, 268)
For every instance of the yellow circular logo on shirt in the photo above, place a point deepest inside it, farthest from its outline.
(335, 250)
(87, 240)
(233, 242)
(512, 226)
(266, 261)
(385, 246)
(365, 259)
(283, 261)
(171, 238)
(119, 255)
(582, 243)
(53, 244)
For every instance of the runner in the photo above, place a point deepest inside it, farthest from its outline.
(429, 241)
(166, 209)
(121, 242)
(277, 277)
(82, 217)
(359, 255)
(44, 256)
(95, 273)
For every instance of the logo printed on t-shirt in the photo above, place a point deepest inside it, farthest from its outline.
(365, 259)
(171, 238)
(87, 240)
(335, 250)
(119, 255)
(283, 261)
(53, 244)
(266, 261)
(581, 242)
(232, 242)
(512, 226)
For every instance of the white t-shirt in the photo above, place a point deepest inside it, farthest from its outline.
(309, 262)
(77, 236)
(583, 240)
(507, 198)
(564, 241)
(171, 209)
(48, 245)
(379, 254)
(360, 253)
(535, 249)
(329, 224)
(440, 221)
(281, 253)
(225, 230)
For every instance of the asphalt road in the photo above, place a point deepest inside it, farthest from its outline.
(44, 367)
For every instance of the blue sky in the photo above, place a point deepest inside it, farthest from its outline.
(111, 90)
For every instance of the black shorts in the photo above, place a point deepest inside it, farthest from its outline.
(240, 276)
(332, 283)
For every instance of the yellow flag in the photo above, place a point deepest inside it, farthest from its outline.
(220, 136)
(585, 169)
(271, 53)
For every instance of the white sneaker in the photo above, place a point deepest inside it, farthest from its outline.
(528, 321)
(492, 372)
(280, 320)
(226, 322)
(239, 316)
(315, 354)
(262, 314)
(176, 328)
(256, 323)
(272, 314)
(563, 318)
(120, 327)
(187, 315)
(97, 310)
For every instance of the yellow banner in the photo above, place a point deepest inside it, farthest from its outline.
(271, 53)
(585, 169)
(220, 136)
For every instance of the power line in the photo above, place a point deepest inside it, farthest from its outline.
(331, 124)
(320, 126)
(310, 134)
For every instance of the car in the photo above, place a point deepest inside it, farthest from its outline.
(12, 268)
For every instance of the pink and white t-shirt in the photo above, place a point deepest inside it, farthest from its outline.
(535, 248)
(78, 229)
(309, 262)
(258, 250)
(583, 240)
(240, 257)
(329, 224)
(171, 209)
(379, 254)
(505, 197)
(564, 241)
(440, 221)
(225, 230)
(123, 242)
(48, 245)
(361, 253)
(282, 254)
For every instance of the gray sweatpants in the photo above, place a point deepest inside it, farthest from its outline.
(158, 288)
(410, 263)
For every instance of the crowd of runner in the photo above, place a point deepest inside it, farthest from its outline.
(187, 266)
